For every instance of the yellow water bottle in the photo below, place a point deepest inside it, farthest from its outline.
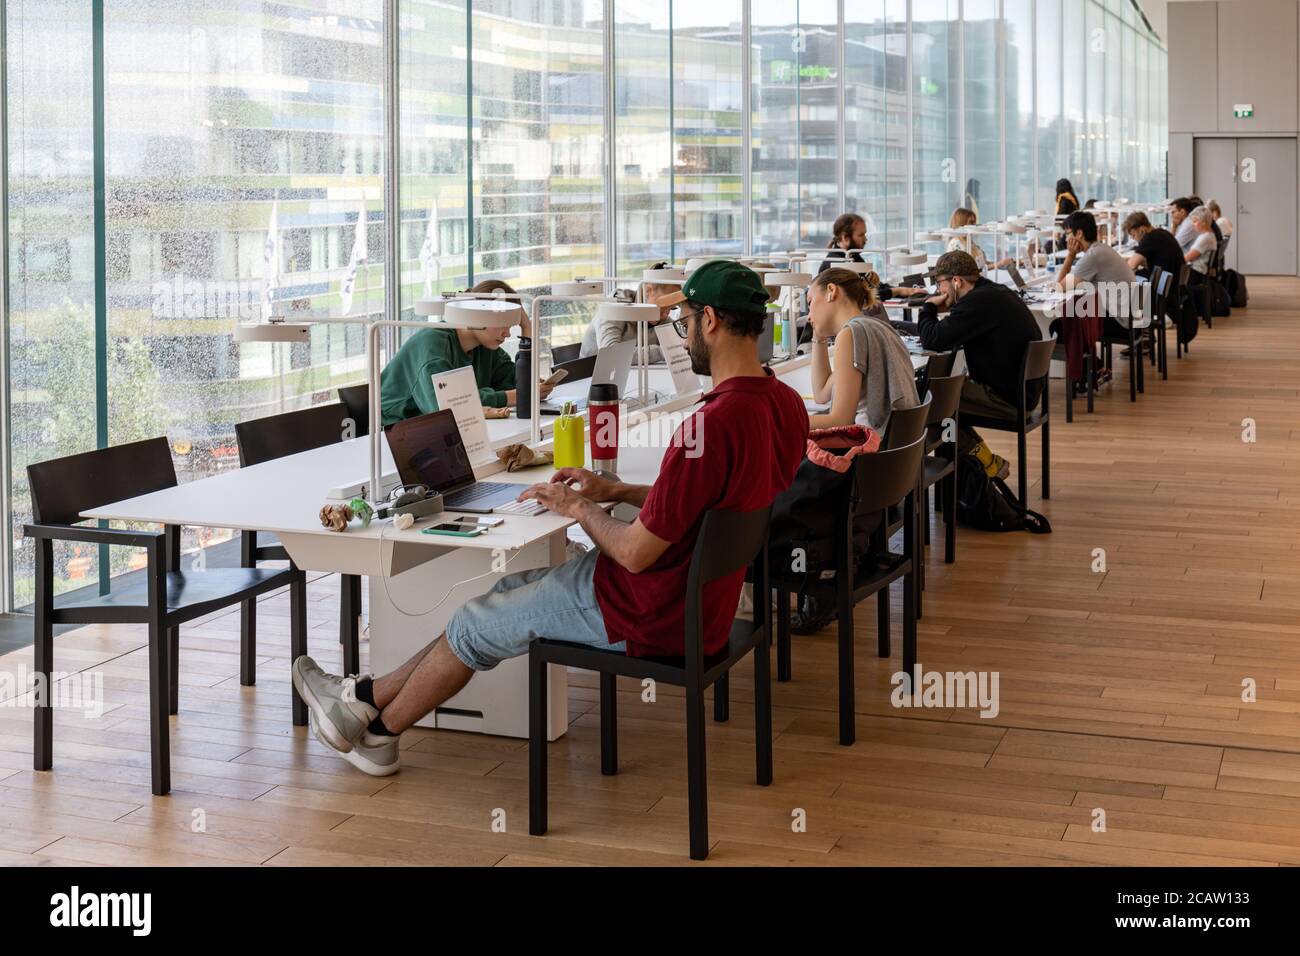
(570, 440)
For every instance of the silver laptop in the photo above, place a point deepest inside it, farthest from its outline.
(613, 367)
(429, 451)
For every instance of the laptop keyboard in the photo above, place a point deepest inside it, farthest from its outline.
(475, 493)
(529, 507)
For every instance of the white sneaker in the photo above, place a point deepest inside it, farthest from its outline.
(374, 754)
(341, 719)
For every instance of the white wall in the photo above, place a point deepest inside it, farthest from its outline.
(1223, 52)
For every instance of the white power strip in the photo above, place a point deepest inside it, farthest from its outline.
(360, 487)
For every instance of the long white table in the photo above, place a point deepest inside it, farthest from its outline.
(416, 580)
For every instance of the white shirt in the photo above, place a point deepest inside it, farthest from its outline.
(1205, 244)
(1225, 226)
(957, 244)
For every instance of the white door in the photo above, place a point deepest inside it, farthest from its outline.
(1265, 235)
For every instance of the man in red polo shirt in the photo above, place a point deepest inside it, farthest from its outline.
(747, 439)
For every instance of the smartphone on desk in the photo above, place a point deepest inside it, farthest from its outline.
(459, 528)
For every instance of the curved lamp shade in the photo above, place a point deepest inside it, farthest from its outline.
(787, 279)
(671, 276)
(576, 287)
(481, 313)
(430, 306)
(1015, 227)
(928, 237)
(908, 259)
(627, 312)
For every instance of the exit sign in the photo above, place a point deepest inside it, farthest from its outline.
(1243, 110)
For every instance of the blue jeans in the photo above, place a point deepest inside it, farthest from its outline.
(558, 603)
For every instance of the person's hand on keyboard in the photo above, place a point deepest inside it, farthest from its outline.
(586, 483)
(557, 497)
(527, 508)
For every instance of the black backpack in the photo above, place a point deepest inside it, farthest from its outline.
(802, 519)
(987, 504)
(1220, 301)
(1235, 283)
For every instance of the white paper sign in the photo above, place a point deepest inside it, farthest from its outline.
(677, 358)
(458, 391)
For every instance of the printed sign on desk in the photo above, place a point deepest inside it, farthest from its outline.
(677, 358)
(458, 391)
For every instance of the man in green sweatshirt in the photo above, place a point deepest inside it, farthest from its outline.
(406, 385)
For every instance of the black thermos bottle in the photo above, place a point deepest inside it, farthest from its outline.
(523, 379)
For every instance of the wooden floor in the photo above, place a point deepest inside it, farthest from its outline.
(1120, 691)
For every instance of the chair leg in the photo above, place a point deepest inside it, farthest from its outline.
(1047, 463)
(909, 629)
(722, 699)
(537, 708)
(247, 617)
(697, 797)
(608, 724)
(1132, 370)
(174, 664)
(349, 630)
(43, 658)
(1022, 468)
(1090, 370)
(882, 622)
(763, 712)
(159, 698)
(844, 626)
(782, 635)
(950, 526)
(298, 639)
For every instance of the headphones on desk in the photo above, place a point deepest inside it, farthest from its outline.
(406, 495)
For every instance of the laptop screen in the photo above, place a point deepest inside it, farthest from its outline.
(1015, 276)
(428, 451)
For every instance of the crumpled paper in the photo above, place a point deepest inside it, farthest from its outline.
(520, 456)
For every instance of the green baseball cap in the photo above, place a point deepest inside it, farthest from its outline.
(722, 284)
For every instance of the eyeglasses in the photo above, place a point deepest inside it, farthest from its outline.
(679, 323)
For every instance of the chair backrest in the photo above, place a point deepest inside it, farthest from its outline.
(1184, 275)
(565, 353)
(61, 489)
(1221, 255)
(1038, 359)
(940, 366)
(265, 439)
(905, 426)
(728, 541)
(356, 399)
(885, 478)
(945, 397)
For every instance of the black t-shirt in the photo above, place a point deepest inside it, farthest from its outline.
(835, 257)
(1159, 248)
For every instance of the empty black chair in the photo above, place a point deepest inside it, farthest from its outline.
(1034, 367)
(166, 598)
(277, 436)
(881, 481)
(905, 426)
(938, 365)
(565, 353)
(356, 399)
(728, 541)
(1134, 340)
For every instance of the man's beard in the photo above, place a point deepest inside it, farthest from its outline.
(699, 352)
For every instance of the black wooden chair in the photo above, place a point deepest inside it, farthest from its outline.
(1134, 339)
(728, 542)
(164, 597)
(356, 399)
(1034, 367)
(1159, 282)
(266, 439)
(881, 481)
(906, 426)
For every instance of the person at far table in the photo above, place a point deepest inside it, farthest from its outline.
(1066, 201)
(1183, 231)
(1087, 259)
(406, 384)
(870, 373)
(1154, 247)
(602, 334)
(1220, 220)
(848, 234)
(961, 216)
(736, 452)
(994, 327)
(1201, 254)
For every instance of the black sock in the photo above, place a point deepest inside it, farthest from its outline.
(377, 727)
(366, 691)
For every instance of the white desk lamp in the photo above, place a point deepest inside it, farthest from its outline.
(796, 282)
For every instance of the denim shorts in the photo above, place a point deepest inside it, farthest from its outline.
(557, 603)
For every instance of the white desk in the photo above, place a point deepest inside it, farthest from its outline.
(416, 580)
